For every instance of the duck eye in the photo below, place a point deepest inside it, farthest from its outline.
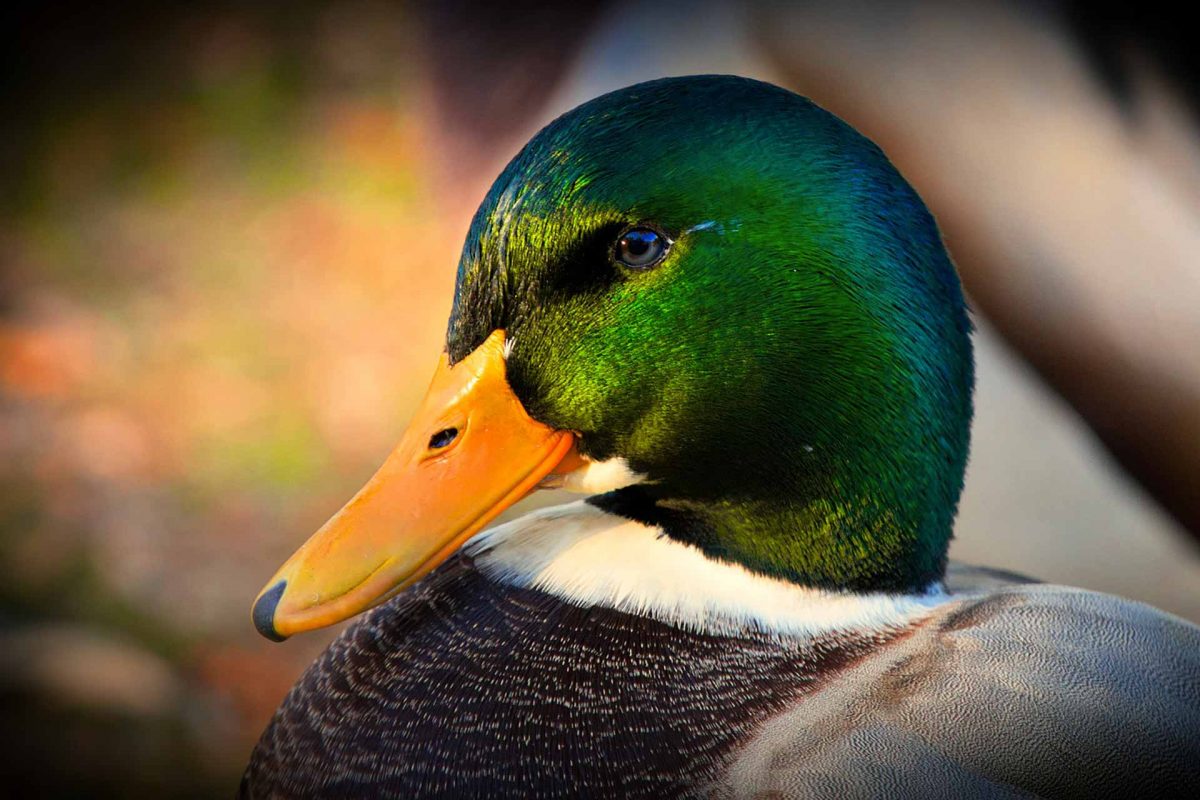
(641, 247)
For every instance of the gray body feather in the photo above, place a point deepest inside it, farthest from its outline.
(1014, 691)
(462, 687)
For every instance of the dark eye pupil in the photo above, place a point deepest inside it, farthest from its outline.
(637, 245)
(640, 247)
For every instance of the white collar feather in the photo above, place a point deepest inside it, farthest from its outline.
(588, 557)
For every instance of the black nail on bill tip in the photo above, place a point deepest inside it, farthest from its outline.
(264, 612)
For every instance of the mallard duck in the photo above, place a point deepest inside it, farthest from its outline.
(722, 314)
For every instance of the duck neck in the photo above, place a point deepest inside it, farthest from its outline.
(829, 535)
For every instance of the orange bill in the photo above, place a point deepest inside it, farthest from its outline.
(470, 452)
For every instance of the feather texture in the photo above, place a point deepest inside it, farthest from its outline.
(466, 687)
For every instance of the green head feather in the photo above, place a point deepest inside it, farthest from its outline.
(794, 377)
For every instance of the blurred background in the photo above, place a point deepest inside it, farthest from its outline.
(227, 248)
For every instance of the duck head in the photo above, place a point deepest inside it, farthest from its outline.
(712, 302)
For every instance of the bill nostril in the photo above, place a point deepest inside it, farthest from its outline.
(264, 611)
(442, 438)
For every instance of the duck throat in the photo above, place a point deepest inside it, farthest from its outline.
(858, 542)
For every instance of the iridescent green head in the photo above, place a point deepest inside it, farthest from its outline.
(737, 293)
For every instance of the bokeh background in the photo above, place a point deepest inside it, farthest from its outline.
(227, 247)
